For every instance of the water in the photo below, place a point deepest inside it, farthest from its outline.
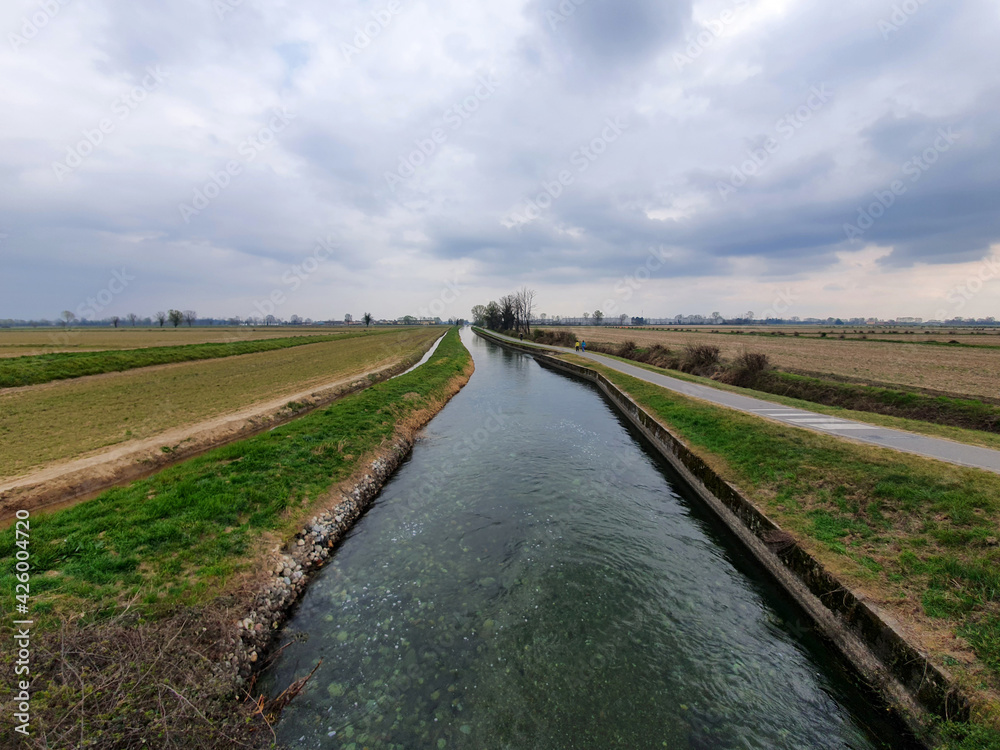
(534, 577)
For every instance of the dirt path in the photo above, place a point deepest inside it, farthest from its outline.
(66, 483)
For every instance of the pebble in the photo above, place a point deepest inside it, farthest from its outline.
(311, 548)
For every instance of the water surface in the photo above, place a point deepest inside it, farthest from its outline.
(535, 577)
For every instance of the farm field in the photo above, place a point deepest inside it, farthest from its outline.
(43, 368)
(943, 335)
(67, 419)
(18, 342)
(957, 370)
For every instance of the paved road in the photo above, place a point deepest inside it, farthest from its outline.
(908, 442)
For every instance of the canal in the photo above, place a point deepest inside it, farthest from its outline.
(535, 576)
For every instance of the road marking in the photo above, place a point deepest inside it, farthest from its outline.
(849, 427)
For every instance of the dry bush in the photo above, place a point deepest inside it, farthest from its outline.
(752, 362)
(746, 369)
(627, 349)
(660, 356)
(700, 359)
(125, 683)
(554, 338)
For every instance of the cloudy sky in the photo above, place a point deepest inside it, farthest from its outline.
(407, 156)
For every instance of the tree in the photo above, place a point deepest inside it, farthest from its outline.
(348, 318)
(524, 303)
(132, 317)
(598, 317)
(161, 318)
(295, 320)
(493, 316)
(114, 320)
(479, 315)
(586, 317)
(176, 317)
(409, 320)
(716, 316)
(67, 317)
(508, 312)
(367, 318)
(622, 318)
(190, 316)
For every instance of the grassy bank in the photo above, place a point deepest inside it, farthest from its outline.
(970, 372)
(917, 537)
(947, 410)
(67, 419)
(167, 548)
(44, 368)
(953, 411)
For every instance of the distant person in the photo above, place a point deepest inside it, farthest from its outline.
(521, 336)
(583, 346)
(578, 346)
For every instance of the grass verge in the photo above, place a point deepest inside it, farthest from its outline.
(949, 432)
(44, 368)
(917, 537)
(165, 558)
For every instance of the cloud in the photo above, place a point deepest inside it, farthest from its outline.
(701, 88)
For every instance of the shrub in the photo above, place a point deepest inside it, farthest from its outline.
(554, 338)
(627, 349)
(700, 359)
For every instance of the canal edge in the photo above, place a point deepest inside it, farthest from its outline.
(913, 687)
(290, 567)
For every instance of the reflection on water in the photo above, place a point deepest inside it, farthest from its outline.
(533, 577)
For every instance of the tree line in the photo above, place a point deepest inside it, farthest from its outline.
(176, 317)
(511, 313)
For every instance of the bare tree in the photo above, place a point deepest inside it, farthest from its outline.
(190, 316)
(598, 317)
(114, 320)
(525, 303)
(132, 317)
(348, 318)
(67, 317)
(622, 318)
(367, 318)
(270, 320)
(295, 320)
(176, 317)
(161, 318)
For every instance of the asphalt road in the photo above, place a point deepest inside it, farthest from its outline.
(900, 440)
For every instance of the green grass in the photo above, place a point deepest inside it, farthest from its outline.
(960, 412)
(919, 536)
(958, 434)
(177, 537)
(44, 368)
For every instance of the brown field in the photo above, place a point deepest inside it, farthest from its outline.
(904, 334)
(67, 419)
(959, 370)
(17, 342)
